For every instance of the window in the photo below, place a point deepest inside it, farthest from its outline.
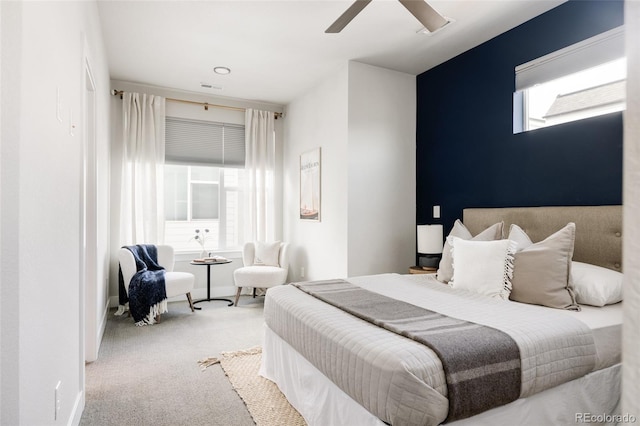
(203, 184)
(584, 80)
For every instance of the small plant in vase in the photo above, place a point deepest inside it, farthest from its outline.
(201, 238)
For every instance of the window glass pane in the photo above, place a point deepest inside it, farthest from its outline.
(209, 238)
(234, 219)
(193, 200)
(589, 93)
(231, 177)
(205, 203)
(175, 192)
(205, 174)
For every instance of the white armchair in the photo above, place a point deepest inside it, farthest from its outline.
(176, 283)
(272, 272)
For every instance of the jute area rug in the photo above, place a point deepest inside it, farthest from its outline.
(266, 404)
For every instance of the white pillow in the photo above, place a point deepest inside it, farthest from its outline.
(595, 285)
(267, 254)
(484, 267)
(445, 269)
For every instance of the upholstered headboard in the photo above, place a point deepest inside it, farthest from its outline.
(598, 228)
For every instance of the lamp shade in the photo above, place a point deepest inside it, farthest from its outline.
(430, 239)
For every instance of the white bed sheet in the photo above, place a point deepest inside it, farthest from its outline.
(322, 403)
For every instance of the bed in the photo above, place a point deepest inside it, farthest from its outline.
(336, 368)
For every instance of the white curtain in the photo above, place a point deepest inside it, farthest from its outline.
(142, 201)
(260, 175)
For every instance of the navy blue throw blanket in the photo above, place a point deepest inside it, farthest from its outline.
(147, 287)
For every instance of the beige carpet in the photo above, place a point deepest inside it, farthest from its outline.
(266, 404)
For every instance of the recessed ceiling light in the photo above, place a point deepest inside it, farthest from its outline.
(222, 70)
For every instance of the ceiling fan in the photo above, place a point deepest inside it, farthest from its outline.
(424, 13)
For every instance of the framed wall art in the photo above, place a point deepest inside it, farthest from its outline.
(310, 166)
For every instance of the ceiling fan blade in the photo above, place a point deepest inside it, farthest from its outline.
(424, 13)
(347, 16)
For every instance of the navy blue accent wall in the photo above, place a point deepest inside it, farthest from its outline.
(467, 154)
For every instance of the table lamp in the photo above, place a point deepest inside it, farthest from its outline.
(430, 242)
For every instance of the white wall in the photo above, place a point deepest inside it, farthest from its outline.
(42, 297)
(1, 268)
(221, 275)
(318, 119)
(10, 39)
(96, 62)
(382, 170)
(363, 118)
(631, 248)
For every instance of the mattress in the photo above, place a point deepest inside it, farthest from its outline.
(596, 352)
(322, 403)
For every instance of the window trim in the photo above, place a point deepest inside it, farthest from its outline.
(592, 52)
(596, 50)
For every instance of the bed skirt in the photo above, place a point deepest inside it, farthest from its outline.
(322, 403)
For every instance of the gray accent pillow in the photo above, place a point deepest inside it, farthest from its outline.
(445, 270)
(542, 271)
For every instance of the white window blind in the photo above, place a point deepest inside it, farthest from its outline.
(204, 142)
(594, 51)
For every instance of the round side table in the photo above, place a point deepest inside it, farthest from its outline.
(209, 298)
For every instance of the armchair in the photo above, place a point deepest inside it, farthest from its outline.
(270, 273)
(176, 283)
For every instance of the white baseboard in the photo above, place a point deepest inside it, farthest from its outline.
(78, 408)
(228, 292)
(103, 323)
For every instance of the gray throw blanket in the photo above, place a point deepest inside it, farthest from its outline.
(481, 364)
